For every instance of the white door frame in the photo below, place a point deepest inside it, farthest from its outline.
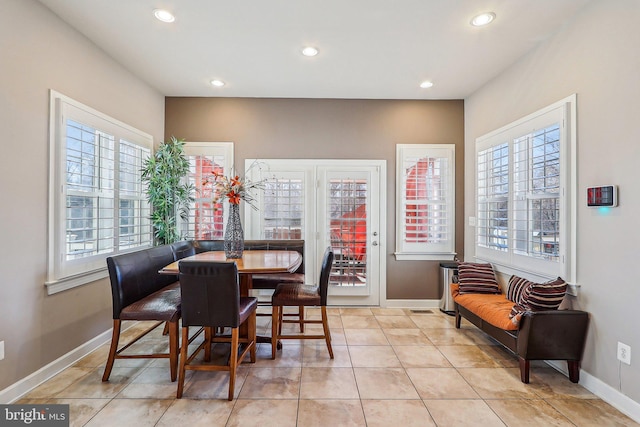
(252, 218)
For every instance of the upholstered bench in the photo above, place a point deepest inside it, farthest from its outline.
(525, 320)
(140, 293)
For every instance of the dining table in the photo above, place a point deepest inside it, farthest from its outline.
(252, 262)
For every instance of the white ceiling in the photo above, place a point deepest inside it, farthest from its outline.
(380, 49)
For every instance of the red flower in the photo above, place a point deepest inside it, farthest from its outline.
(234, 198)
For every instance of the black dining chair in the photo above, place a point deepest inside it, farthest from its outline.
(297, 295)
(211, 300)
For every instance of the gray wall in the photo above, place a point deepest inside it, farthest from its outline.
(340, 129)
(597, 56)
(40, 52)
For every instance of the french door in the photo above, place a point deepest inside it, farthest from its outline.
(333, 203)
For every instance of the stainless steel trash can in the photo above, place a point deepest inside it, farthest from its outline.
(448, 274)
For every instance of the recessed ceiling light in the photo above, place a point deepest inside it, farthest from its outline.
(164, 15)
(217, 83)
(483, 19)
(310, 51)
(426, 84)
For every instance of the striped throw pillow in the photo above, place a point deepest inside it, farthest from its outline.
(537, 297)
(517, 285)
(477, 278)
(544, 296)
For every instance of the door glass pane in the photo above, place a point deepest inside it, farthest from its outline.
(347, 214)
(283, 208)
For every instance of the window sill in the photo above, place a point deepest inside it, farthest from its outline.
(55, 286)
(404, 256)
(506, 270)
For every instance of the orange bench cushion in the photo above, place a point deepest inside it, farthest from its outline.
(492, 308)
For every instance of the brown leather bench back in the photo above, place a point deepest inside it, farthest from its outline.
(135, 275)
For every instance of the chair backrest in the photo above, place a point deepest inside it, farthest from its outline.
(135, 275)
(182, 249)
(210, 293)
(325, 272)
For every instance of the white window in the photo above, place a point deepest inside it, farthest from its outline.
(283, 202)
(283, 205)
(97, 204)
(425, 195)
(525, 197)
(206, 219)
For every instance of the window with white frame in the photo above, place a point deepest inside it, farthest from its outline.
(97, 203)
(206, 218)
(282, 203)
(525, 198)
(425, 197)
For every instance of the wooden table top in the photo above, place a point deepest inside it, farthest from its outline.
(251, 261)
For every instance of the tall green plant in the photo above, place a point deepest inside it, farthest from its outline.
(168, 193)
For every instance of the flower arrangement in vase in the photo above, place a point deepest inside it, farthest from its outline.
(234, 189)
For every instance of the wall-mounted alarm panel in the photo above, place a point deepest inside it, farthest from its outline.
(604, 195)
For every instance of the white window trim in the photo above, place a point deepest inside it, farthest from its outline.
(437, 253)
(568, 150)
(58, 279)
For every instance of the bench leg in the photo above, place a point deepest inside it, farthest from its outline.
(458, 318)
(524, 370)
(574, 370)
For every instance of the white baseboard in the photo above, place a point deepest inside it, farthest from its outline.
(410, 303)
(25, 385)
(604, 391)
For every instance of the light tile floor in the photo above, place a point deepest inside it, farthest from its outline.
(392, 367)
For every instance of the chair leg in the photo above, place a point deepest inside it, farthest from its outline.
(301, 317)
(183, 360)
(115, 337)
(252, 337)
(173, 349)
(274, 330)
(208, 335)
(165, 331)
(325, 327)
(233, 361)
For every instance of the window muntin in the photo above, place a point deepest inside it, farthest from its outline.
(97, 204)
(525, 198)
(425, 201)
